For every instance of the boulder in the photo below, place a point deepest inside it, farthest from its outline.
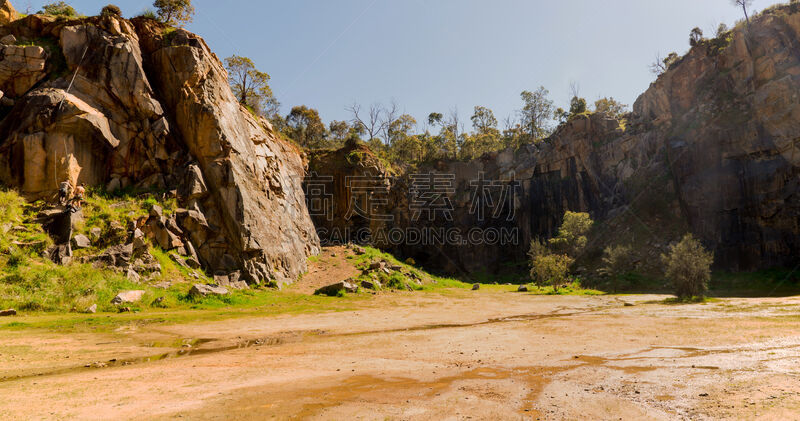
(522, 288)
(133, 276)
(95, 233)
(128, 297)
(334, 289)
(81, 241)
(203, 290)
(476, 287)
(373, 285)
(9, 312)
(7, 12)
(91, 309)
(119, 255)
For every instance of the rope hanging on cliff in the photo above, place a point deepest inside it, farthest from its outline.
(69, 87)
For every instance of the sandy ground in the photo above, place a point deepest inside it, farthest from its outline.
(420, 356)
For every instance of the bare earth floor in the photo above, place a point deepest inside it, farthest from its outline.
(418, 356)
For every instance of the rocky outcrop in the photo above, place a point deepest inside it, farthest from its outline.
(120, 104)
(7, 12)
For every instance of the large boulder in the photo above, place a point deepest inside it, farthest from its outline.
(7, 12)
(128, 297)
(253, 178)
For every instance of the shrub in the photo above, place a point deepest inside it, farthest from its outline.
(58, 9)
(688, 266)
(111, 10)
(538, 248)
(571, 238)
(148, 14)
(551, 269)
(617, 262)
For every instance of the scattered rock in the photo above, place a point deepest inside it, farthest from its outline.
(163, 285)
(395, 268)
(124, 310)
(202, 290)
(192, 263)
(333, 289)
(476, 287)
(628, 304)
(128, 297)
(133, 276)
(91, 310)
(96, 233)
(359, 250)
(9, 312)
(522, 288)
(373, 285)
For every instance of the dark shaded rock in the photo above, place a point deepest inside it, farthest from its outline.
(9, 312)
(334, 289)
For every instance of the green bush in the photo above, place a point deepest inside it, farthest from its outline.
(551, 269)
(688, 266)
(59, 9)
(571, 238)
(617, 262)
(111, 10)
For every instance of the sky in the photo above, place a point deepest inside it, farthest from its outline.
(438, 55)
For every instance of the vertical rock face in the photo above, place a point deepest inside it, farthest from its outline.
(92, 116)
(254, 179)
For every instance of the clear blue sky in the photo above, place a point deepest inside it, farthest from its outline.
(433, 55)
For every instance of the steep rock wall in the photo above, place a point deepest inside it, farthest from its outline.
(122, 104)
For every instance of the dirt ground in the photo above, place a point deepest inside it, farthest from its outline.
(490, 354)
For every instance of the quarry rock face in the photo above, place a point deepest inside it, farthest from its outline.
(712, 148)
(117, 104)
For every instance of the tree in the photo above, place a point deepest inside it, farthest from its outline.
(688, 266)
(111, 10)
(577, 106)
(696, 36)
(571, 238)
(339, 132)
(535, 113)
(744, 4)
(661, 65)
(483, 120)
(435, 119)
(722, 29)
(58, 9)
(617, 261)
(372, 123)
(305, 127)
(551, 269)
(174, 12)
(251, 86)
(610, 107)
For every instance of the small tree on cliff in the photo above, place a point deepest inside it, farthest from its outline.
(744, 4)
(111, 10)
(304, 126)
(695, 36)
(251, 86)
(688, 266)
(610, 107)
(58, 9)
(661, 65)
(174, 12)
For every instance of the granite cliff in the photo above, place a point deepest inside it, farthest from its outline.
(121, 104)
(712, 147)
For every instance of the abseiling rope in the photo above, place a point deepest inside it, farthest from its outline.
(77, 69)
